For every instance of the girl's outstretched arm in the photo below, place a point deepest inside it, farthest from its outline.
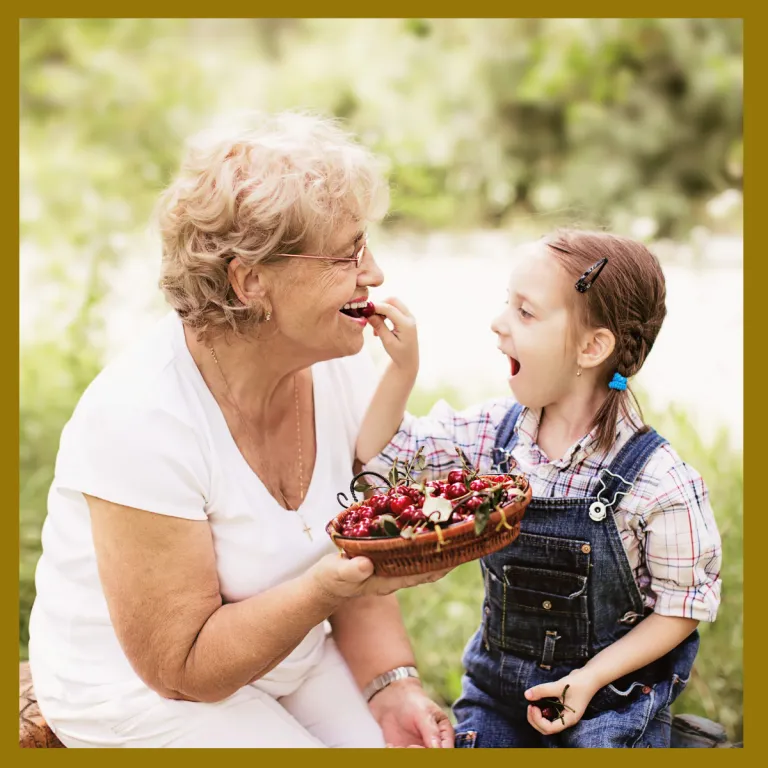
(386, 410)
(651, 639)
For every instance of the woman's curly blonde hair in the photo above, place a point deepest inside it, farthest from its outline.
(276, 184)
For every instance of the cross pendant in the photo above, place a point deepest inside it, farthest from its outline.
(308, 531)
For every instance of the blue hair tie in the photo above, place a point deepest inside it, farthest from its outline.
(618, 381)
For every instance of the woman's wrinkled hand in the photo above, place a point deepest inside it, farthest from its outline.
(409, 718)
(340, 577)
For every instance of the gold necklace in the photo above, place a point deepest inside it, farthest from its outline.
(307, 529)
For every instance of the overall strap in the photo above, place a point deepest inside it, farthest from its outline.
(506, 438)
(629, 462)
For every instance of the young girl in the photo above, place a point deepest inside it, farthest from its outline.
(618, 558)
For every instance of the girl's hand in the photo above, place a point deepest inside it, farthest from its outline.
(581, 689)
(402, 342)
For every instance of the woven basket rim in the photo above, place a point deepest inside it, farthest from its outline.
(392, 544)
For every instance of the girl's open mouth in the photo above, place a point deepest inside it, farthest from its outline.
(514, 366)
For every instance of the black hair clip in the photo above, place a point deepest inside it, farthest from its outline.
(582, 284)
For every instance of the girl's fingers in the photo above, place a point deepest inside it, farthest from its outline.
(545, 689)
(386, 335)
(395, 302)
(399, 318)
(541, 724)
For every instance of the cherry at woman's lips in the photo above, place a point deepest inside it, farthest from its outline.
(358, 308)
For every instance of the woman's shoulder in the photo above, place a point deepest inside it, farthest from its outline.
(149, 374)
(145, 390)
(135, 438)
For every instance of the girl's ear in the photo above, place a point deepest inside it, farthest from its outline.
(597, 346)
(249, 284)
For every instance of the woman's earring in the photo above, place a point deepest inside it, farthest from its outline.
(578, 373)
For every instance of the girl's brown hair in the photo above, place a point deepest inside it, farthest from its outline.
(628, 298)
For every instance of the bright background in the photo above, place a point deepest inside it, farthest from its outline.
(494, 131)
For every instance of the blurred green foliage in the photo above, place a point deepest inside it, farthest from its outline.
(482, 120)
(441, 617)
(483, 123)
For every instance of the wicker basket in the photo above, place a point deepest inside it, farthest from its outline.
(425, 552)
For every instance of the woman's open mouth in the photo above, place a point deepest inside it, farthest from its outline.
(358, 310)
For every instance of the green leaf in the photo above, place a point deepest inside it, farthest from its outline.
(363, 486)
(466, 464)
(394, 475)
(482, 516)
(389, 525)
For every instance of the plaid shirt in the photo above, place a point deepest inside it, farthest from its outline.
(665, 521)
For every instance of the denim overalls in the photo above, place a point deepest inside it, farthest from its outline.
(554, 598)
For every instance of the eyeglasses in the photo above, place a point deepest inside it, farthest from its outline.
(348, 259)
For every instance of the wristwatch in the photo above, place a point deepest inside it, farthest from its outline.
(382, 681)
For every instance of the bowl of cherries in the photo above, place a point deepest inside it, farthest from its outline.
(409, 527)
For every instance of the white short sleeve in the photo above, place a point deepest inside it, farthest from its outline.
(138, 455)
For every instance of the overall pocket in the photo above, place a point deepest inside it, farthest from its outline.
(536, 593)
(617, 695)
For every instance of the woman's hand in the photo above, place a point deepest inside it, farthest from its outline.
(409, 718)
(582, 686)
(402, 342)
(340, 577)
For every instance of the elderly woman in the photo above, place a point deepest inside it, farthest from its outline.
(187, 594)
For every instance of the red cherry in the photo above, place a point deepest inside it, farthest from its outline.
(456, 476)
(365, 512)
(479, 485)
(455, 490)
(378, 503)
(473, 504)
(368, 309)
(398, 503)
(363, 529)
(406, 516)
(433, 488)
(419, 500)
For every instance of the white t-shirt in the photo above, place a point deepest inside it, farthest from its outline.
(148, 433)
